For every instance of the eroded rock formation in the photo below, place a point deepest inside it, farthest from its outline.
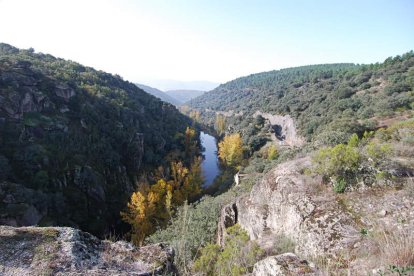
(282, 205)
(284, 129)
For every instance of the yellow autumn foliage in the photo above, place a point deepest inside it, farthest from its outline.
(231, 150)
(152, 206)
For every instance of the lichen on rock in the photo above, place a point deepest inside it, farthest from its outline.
(68, 251)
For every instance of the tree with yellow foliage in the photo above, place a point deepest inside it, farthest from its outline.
(190, 142)
(220, 124)
(138, 214)
(152, 206)
(195, 115)
(231, 150)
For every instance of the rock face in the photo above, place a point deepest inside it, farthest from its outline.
(67, 251)
(283, 265)
(282, 205)
(20, 205)
(228, 217)
(284, 129)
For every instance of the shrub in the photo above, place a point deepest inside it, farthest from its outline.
(341, 161)
(339, 186)
(206, 263)
(193, 227)
(361, 159)
(236, 258)
(272, 153)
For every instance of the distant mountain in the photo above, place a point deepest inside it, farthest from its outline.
(184, 95)
(74, 141)
(159, 94)
(166, 85)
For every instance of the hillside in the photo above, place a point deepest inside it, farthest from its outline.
(324, 183)
(325, 101)
(75, 141)
(159, 94)
(184, 95)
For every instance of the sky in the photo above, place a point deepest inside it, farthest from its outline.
(212, 40)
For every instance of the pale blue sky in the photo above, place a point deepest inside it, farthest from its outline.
(208, 40)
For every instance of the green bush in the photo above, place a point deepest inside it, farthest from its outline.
(359, 160)
(193, 227)
(339, 186)
(236, 258)
(340, 161)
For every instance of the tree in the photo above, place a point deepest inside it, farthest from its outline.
(138, 215)
(190, 143)
(152, 206)
(220, 124)
(231, 150)
(195, 115)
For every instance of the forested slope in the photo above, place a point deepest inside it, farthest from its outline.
(75, 141)
(324, 100)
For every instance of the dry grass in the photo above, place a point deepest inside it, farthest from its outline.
(396, 247)
(338, 265)
(409, 187)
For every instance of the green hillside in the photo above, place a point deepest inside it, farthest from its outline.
(332, 100)
(75, 141)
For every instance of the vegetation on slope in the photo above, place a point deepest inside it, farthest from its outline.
(79, 139)
(327, 101)
(338, 102)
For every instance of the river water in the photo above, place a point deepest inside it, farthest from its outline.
(210, 163)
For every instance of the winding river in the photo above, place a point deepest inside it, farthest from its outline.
(210, 163)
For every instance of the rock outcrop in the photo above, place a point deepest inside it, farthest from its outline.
(284, 129)
(20, 205)
(228, 217)
(283, 205)
(67, 251)
(284, 265)
(357, 231)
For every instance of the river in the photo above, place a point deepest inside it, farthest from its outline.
(210, 163)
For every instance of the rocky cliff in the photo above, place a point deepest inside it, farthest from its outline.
(359, 230)
(68, 251)
(284, 129)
